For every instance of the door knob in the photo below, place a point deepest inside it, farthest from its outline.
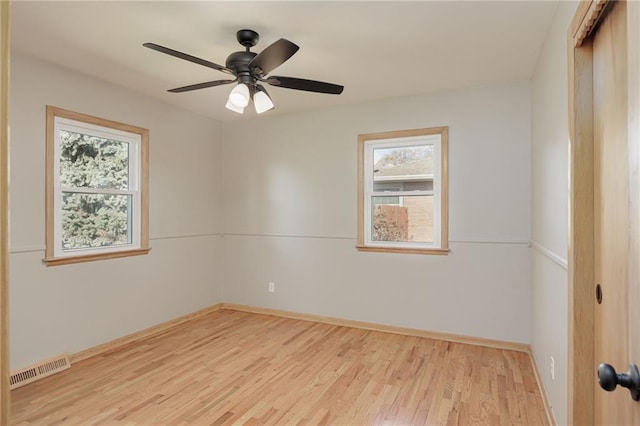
(609, 379)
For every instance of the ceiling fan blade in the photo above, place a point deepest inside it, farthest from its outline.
(187, 57)
(200, 86)
(274, 55)
(303, 84)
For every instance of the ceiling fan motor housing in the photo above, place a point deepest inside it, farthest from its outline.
(239, 62)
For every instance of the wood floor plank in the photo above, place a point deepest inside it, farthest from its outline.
(231, 367)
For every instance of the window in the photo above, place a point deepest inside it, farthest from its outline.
(402, 191)
(97, 178)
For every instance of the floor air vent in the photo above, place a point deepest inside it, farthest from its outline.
(39, 371)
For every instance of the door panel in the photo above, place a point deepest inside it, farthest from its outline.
(613, 266)
(633, 105)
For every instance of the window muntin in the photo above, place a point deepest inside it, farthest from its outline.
(96, 188)
(402, 191)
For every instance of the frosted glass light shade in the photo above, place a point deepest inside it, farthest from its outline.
(239, 96)
(234, 108)
(262, 102)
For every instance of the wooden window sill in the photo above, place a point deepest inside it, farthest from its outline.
(431, 251)
(54, 261)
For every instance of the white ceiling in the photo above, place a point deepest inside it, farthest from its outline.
(375, 49)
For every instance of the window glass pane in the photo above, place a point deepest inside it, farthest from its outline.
(392, 201)
(92, 162)
(403, 167)
(426, 185)
(387, 186)
(95, 220)
(409, 221)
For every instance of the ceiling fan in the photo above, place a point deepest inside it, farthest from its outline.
(250, 69)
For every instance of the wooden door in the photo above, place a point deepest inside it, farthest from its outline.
(614, 262)
(604, 220)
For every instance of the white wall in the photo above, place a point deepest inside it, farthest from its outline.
(549, 221)
(290, 216)
(70, 308)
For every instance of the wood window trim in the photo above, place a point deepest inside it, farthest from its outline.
(443, 131)
(50, 258)
(433, 251)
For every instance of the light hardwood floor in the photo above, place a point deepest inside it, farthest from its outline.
(232, 367)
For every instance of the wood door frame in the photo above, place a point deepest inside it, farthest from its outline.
(581, 375)
(581, 222)
(4, 213)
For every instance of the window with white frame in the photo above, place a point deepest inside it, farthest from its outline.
(97, 178)
(402, 191)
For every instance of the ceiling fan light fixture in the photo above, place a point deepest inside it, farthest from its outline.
(239, 96)
(232, 107)
(262, 102)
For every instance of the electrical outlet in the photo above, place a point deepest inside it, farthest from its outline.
(552, 368)
(272, 287)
